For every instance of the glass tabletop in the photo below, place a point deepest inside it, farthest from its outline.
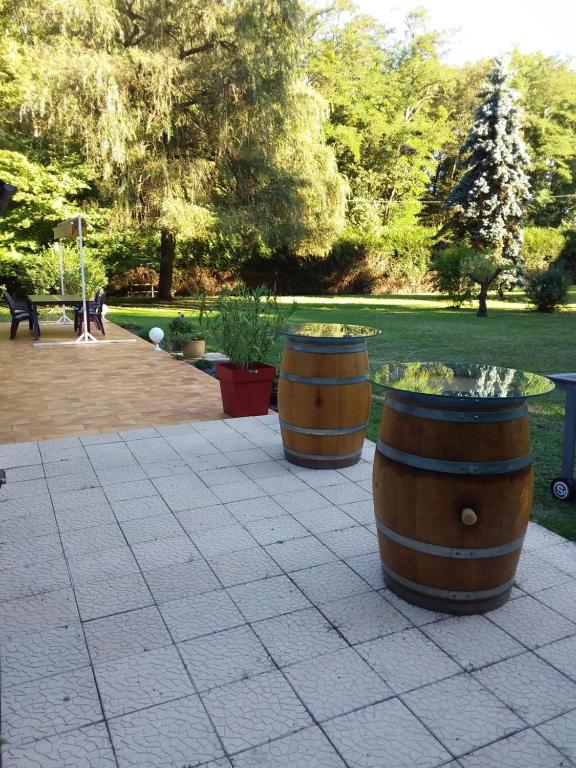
(460, 380)
(329, 330)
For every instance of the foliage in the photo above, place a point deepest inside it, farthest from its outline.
(450, 277)
(542, 246)
(247, 323)
(548, 289)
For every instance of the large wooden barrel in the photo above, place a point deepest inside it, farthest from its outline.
(452, 495)
(324, 400)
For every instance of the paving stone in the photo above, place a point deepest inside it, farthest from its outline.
(300, 553)
(50, 705)
(102, 566)
(110, 475)
(522, 750)
(219, 541)
(336, 683)
(561, 598)
(255, 509)
(182, 580)
(245, 489)
(22, 552)
(264, 469)
(385, 734)
(529, 686)
(281, 483)
(361, 511)
(126, 634)
(25, 490)
(98, 438)
(83, 517)
(200, 615)
(37, 524)
(142, 680)
(165, 469)
(368, 567)
(324, 519)
(110, 455)
(562, 556)
(88, 500)
(207, 461)
(105, 598)
(241, 458)
(177, 733)
(133, 490)
(244, 566)
(164, 552)
(35, 579)
(19, 455)
(152, 449)
(151, 529)
(275, 529)
(418, 616)
(537, 537)
(221, 476)
(473, 641)
(76, 466)
(534, 574)
(267, 597)
(43, 654)
(96, 539)
(462, 714)
(135, 509)
(12, 509)
(38, 613)
(195, 521)
(250, 712)
(350, 542)
(73, 482)
(308, 748)
(32, 472)
(562, 655)
(331, 581)
(407, 660)
(364, 617)
(532, 623)
(319, 479)
(185, 492)
(561, 732)
(298, 636)
(361, 471)
(345, 493)
(235, 654)
(88, 747)
(299, 501)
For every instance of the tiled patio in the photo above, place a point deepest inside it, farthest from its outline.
(181, 597)
(58, 391)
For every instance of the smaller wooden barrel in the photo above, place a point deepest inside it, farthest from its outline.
(452, 495)
(324, 400)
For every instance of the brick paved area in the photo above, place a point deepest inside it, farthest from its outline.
(181, 596)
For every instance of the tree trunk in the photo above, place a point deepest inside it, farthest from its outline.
(482, 296)
(167, 255)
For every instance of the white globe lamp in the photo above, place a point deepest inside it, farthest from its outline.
(156, 335)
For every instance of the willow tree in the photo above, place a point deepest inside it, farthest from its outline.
(184, 109)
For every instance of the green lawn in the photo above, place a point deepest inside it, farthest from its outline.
(423, 328)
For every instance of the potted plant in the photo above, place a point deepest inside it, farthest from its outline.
(185, 337)
(245, 327)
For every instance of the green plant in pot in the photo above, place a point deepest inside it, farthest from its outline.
(246, 327)
(186, 337)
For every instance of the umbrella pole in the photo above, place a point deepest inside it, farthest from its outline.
(85, 336)
(65, 320)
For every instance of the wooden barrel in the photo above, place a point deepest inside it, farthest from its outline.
(324, 401)
(452, 496)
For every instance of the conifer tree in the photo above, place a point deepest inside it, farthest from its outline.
(487, 205)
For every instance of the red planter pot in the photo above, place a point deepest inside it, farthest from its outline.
(245, 392)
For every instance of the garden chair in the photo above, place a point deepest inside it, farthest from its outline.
(93, 312)
(19, 310)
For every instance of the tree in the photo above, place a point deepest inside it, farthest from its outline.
(487, 205)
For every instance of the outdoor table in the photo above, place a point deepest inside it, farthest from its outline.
(324, 393)
(452, 481)
(49, 300)
(563, 487)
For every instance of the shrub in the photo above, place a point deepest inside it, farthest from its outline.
(548, 289)
(450, 277)
(121, 282)
(542, 246)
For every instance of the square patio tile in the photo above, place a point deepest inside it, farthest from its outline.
(85, 517)
(219, 541)
(165, 552)
(43, 654)
(255, 509)
(385, 734)
(331, 581)
(336, 683)
(19, 455)
(38, 613)
(241, 458)
(522, 750)
(361, 511)
(73, 482)
(29, 551)
(369, 568)
(300, 553)
(268, 597)
(100, 437)
(34, 579)
(235, 654)
(281, 483)
(308, 748)
(199, 615)
(96, 539)
(32, 472)
(529, 686)
(221, 476)
(324, 519)
(532, 623)
(105, 598)
(534, 574)
(364, 617)
(319, 479)
(50, 705)
(407, 660)
(274, 529)
(177, 733)
(110, 475)
(251, 712)
(562, 556)
(418, 616)
(473, 641)
(244, 566)
(88, 747)
(135, 509)
(361, 471)
(182, 580)
(298, 636)
(537, 537)
(110, 455)
(142, 680)
(299, 501)
(350, 542)
(133, 490)
(102, 566)
(195, 521)
(151, 529)
(239, 491)
(346, 493)
(562, 655)
(152, 449)
(561, 598)
(126, 634)
(561, 732)
(462, 714)
(264, 469)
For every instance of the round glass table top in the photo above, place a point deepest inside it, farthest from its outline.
(329, 331)
(461, 381)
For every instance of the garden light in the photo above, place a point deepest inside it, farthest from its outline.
(156, 335)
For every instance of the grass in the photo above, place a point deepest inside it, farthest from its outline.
(421, 327)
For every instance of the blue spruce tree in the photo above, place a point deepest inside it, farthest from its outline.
(487, 205)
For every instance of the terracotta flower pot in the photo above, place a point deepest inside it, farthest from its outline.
(194, 349)
(245, 392)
